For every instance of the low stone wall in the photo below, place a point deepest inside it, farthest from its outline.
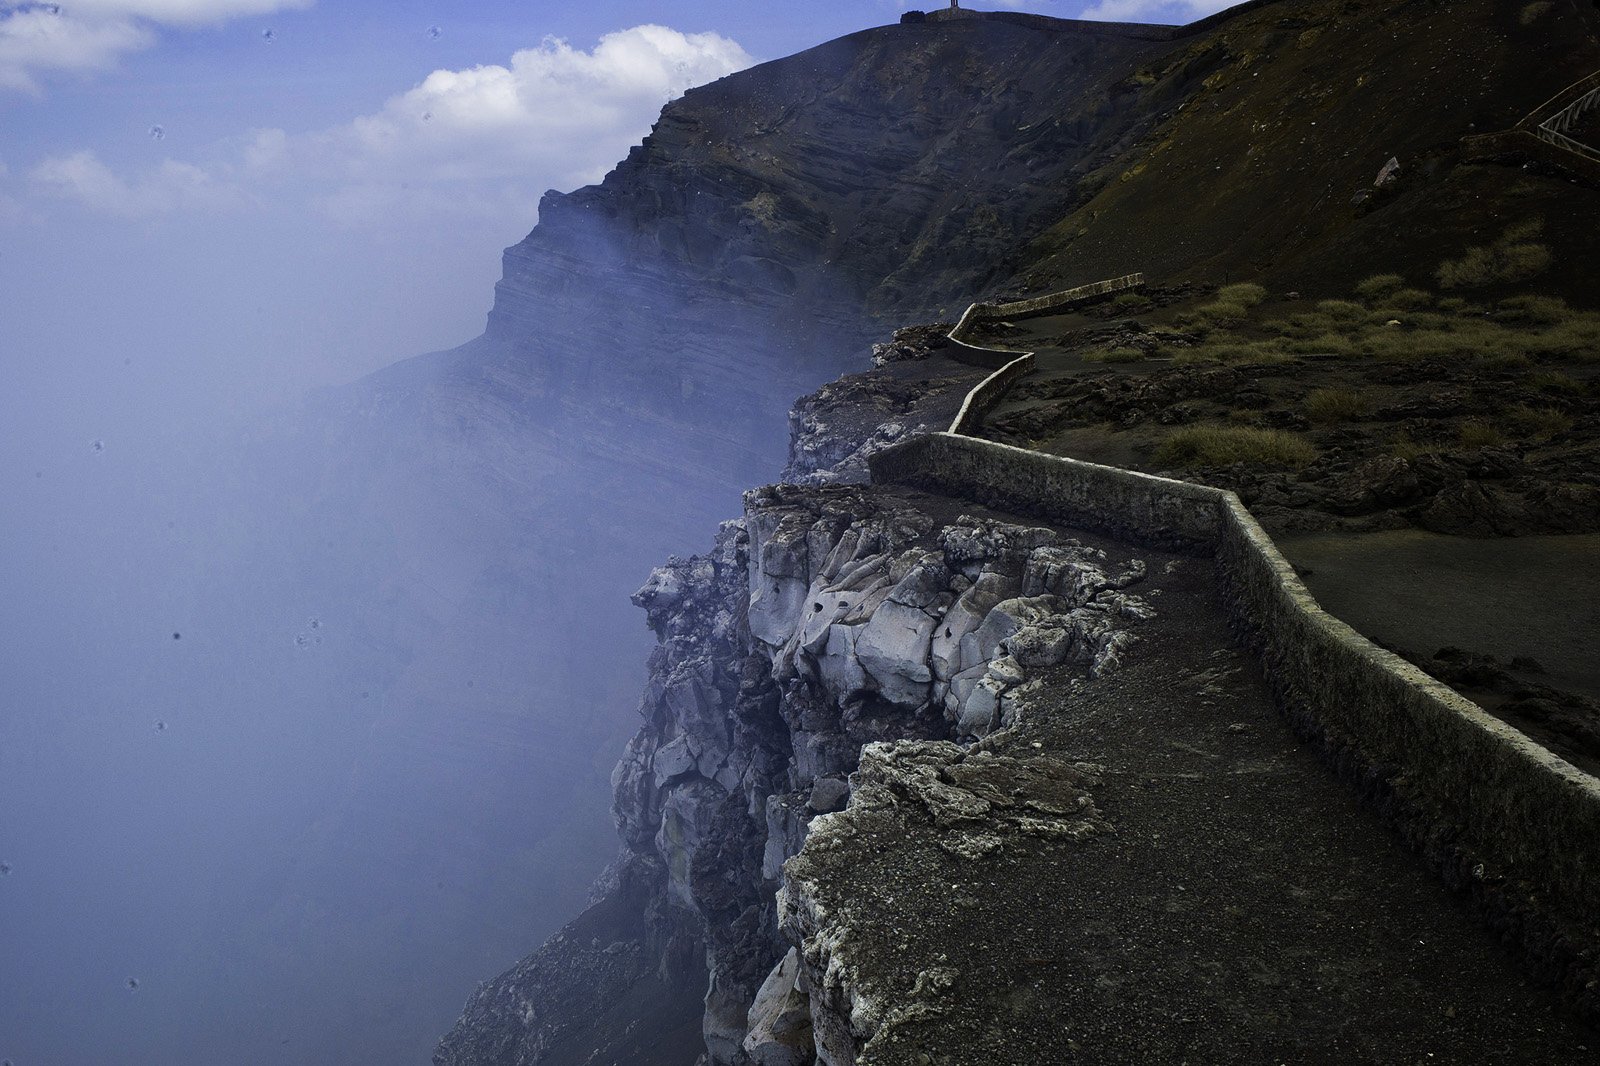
(1524, 811)
(1510, 812)
(981, 400)
(963, 351)
(1051, 303)
(1105, 499)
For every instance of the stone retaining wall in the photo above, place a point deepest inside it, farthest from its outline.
(963, 351)
(1493, 810)
(1049, 304)
(981, 400)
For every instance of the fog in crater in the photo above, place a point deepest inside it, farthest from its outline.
(311, 684)
(293, 750)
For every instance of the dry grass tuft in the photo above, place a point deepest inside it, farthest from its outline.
(1540, 423)
(1244, 294)
(1327, 406)
(1476, 433)
(1514, 257)
(1219, 445)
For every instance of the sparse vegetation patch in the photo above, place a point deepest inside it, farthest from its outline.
(1540, 423)
(1516, 256)
(1245, 294)
(1221, 445)
(1337, 405)
(1476, 433)
(1534, 12)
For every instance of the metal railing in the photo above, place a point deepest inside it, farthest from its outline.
(1552, 127)
(1561, 140)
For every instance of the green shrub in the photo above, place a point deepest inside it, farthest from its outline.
(1326, 406)
(1403, 447)
(1245, 294)
(1414, 320)
(1540, 423)
(1459, 305)
(1539, 310)
(1475, 433)
(1326, 344)
(1379, 286)
(1555, 381)
(1534, 12)
(1398, 345)
(1577, 339)
(1514, 257)
(1526, 230)
(1518, 262)
(1222, 315)
(1312, 321)
(1132, 302)
(1263, 355)
(1407, 299)
(1470, 271)
(1219, 445)
(1342, 310)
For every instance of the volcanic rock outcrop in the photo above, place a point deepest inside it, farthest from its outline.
(826, 620)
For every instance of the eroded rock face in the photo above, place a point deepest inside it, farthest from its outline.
(826, 622)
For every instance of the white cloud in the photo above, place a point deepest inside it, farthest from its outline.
(38, 39)
(486, 141)
(172, 186)
(554, 108)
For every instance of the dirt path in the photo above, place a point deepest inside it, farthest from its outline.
(1243, 907)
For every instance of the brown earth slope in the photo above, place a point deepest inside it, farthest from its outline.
(1301, 104)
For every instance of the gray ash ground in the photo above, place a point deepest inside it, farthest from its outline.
(1238, 904)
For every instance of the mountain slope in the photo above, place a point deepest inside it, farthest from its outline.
(1302, 103)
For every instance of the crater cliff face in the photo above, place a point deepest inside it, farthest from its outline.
(488, 510)
(651, 332)
(825, 620)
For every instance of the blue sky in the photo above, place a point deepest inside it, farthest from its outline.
(248, 198)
